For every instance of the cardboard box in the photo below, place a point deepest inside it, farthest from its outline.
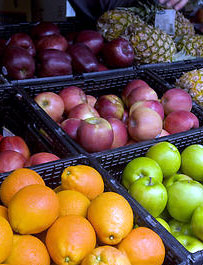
(15, 11)
(50, 10)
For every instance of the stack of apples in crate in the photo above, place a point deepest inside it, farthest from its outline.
(15, 153)
(73, 224)
(168, 184)
(45, 52)
(111, 121)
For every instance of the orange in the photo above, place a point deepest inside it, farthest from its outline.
(84, 179)
(111, 216)
(6, 239)
(70, 239)
(106, 255)
(4, 212)
(72, 202)
(18, 179)
(143, 247)
(33, 209)
(28, 249)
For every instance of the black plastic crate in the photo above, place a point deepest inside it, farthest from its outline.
(115, 162)
(106, 83)
(21, 119)
(70, 25)
(172, 71)
(175, 253)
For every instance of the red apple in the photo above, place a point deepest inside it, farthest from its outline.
(83, 59)
(152, 104)
(18, 63)
(55, 42)
(40, 158)
(51, 103)
(72, 96)
(93, 39)
(11, 160)
(130, 86)
(118, 53)
(52, 62)
(44, 28)
(15, 143)
(95, 134)
(102, 67)
(144, 124)
(139, 94)
(176, 99)
(120, 133)
(180, 121)
(70, 126)
(83, 111)
(91, 100)
(110, 106)
(23, 40)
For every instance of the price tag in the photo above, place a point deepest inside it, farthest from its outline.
(165, 20)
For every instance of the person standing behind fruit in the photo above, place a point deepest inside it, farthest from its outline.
(91, 10)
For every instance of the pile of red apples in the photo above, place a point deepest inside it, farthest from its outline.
(15, 153)
(45, 52)
(110, 121)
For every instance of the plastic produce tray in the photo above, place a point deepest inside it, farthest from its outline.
(98, 84)
(175, 253)
(21, 119)
(72, 24)
(171, 71)
(115, 162)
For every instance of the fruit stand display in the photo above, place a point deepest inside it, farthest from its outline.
(52, 175)
(136, 169)
(25, 132)
(85, 104)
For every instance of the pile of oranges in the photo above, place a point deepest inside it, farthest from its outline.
(76, 223)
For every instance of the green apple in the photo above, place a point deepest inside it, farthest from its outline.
(164, 223)
(197, 222)
(176, 177)
(141, 167)
(183, 197)
(150, 193)
(191, 243)
(192, 161)
(180, 228)
(167, 156)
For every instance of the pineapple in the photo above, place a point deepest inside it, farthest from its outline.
(152, 45)
(183, 26)
(192, 82)
(192, 45)
(113, 23)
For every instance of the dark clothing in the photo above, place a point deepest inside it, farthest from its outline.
(91, 10)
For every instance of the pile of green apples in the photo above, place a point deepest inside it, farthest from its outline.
(169, 185)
